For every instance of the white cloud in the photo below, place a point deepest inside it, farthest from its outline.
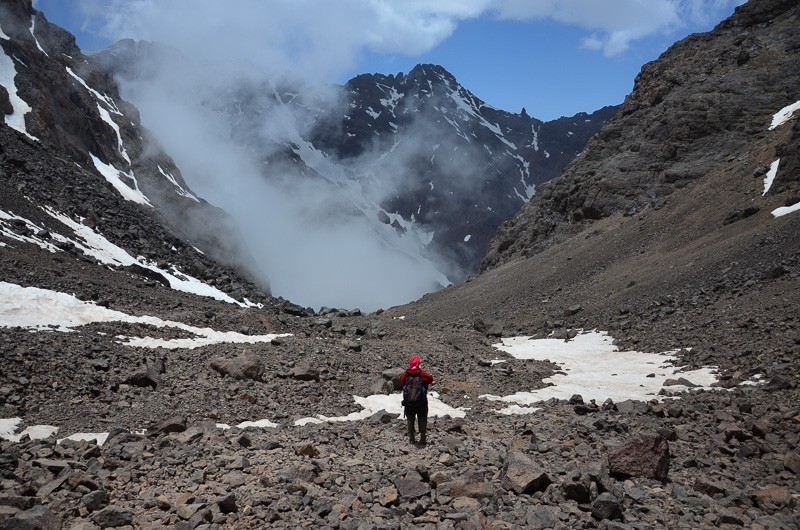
(321, 38)
(617, 23)
(318, 38)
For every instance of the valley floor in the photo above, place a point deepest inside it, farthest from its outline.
(733, 451)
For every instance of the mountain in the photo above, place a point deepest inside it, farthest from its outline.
(144, 384)
(690, 116)
(83, 152)
(460, 166)
(428, 165)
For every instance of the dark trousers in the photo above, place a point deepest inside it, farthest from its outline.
(420, 412)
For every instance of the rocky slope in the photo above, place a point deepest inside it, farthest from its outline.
(709, 98)
(701, 270)
(86, 122)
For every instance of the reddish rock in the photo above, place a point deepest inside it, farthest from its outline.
(645, 456)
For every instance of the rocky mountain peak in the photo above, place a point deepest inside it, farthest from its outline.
(469, 161)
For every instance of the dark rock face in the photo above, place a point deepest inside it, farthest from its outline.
(704, 100)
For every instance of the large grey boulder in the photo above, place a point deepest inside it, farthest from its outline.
(246, 366)
(522, 475)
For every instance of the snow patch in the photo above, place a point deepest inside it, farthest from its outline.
(15, 120)
(516, 410)
(31, 29)
(94, 244)
(467, 237)
(115, 176)
(590, 365)
(389, 403)
(260, 424)
(106, 117)
(8, 430)
(785, 210)
(769, 178)
(46, 310)
(180, 189)
(372, 113)
(7, 231)
(97, 437)
(784, 115)
(101, 97)
(391, 102)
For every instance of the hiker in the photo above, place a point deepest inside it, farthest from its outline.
(415, 383)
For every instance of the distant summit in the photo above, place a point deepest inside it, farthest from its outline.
(466, 166)
(430, 166)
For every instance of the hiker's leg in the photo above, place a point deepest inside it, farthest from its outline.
(410, 413)
(422, 417)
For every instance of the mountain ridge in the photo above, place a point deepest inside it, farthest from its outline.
(413, 152)
(639, 163)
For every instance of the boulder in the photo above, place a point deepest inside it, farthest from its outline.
(791, 461)
(95, 500)
(467, 488)
(779, 496)
(149, 373)
(37, 517)
(709, 487)
(170, 425)
(246, 366)
(112, 516)
(389, 496)
(645, 456)
(606, 506)
(351, 345)
(411, 488)
(393, 375)
(523, 475)
(227, 504)
(305, 372)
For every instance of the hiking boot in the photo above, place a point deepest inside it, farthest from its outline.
(422, 440)
(411, 439)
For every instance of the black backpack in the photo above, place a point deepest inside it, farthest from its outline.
(414, 391)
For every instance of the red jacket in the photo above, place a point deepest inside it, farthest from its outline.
(426, 377)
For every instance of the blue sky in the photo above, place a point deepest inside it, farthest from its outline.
(553, 57)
